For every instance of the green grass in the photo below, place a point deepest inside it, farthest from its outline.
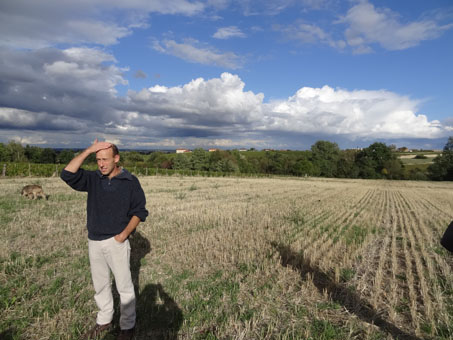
(325, 330)
(417, 161)
(48, 291)
(355, 235)
(8, 208)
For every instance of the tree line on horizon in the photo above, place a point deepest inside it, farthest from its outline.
(324, 159)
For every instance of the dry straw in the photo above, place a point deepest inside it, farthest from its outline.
(227, 258)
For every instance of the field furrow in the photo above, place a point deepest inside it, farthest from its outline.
(240, 258)
(420, 302)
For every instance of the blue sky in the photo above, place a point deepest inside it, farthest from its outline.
(230, 74)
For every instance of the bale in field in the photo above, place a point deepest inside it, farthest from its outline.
(33, 191)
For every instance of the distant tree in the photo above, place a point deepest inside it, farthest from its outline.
(65, 156)
(277, 163)
(243, 163)
(266, 165)
(378, 161)
(346, 166)
(229, 161)
(181, 162)
(325, 157)
(15, 152)
(393, 169)
(132, 157)
(303, 167)
(200, 159)
(3, 153)
(166, 164)
(91, 159)
(226, 165)
(153, 159)
(252, 165)
(33, 153)
(442, 167)
(214, 157)
(48, 156)
(159, 159)
(417, 175)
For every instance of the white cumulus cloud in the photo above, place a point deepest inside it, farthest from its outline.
(355, 114)
(221, 106)
(206, 102)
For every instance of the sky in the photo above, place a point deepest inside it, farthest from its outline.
(280, 74)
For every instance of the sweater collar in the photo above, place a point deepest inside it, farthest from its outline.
(124, 174)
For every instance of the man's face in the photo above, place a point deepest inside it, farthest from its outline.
(107, 162)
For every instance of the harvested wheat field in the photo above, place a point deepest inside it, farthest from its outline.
(231, 258)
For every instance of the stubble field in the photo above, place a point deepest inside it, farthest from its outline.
(230, 258)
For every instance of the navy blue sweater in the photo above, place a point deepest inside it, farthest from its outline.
(111, 203)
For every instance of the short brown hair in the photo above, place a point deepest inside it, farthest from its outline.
(115, 150)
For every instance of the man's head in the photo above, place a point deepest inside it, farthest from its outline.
(107, 160)
(115, 150)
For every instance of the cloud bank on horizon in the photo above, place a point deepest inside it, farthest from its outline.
(64, 80)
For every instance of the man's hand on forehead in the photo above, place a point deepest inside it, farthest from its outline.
(97, 146)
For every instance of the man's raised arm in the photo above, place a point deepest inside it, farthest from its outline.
(74, 165)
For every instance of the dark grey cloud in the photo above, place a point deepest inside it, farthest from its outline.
(75, 83)
(47, 91)
(14, 119)
(44, 23)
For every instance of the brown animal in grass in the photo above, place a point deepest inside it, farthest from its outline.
(33, 191)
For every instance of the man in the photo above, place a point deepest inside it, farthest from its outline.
(115, 206)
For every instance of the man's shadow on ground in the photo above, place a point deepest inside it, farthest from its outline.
(9, 334)
(158, 315)
(339, 293)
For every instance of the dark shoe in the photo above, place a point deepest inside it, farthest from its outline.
(126, 334)
(97, 331)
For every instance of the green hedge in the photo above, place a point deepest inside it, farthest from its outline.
(49, 170)
(33, 170)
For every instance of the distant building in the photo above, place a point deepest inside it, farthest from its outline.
(182, 150)
(242, 150)
(213, 150)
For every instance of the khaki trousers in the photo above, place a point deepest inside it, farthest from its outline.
(105, 256)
